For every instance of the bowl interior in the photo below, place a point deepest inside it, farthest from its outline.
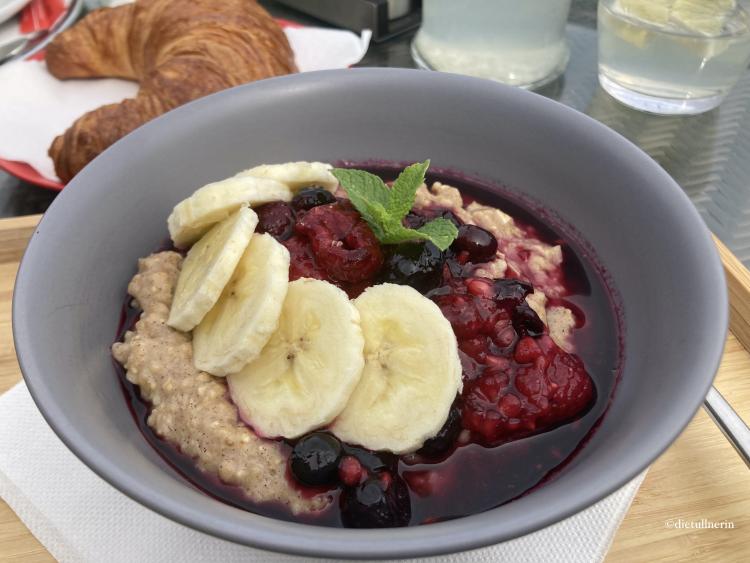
(644, 230)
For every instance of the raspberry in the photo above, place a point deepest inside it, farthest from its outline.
(302, 263)
(503, 334)
(540, 388)
(527, 350)
(480, 287)
(342, 242)
(350, 471)
(462, 313)
(276, 219)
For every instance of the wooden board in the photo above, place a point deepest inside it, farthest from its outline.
(699, 478)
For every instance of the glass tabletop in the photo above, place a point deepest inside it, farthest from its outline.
(708, 155)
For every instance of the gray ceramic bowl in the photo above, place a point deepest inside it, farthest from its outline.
(645, 231)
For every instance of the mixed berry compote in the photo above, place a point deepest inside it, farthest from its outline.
(527, 405)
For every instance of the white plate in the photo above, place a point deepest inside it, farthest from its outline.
(9, 8)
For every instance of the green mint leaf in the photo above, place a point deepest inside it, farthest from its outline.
(384, 208)
(440, 232)
(362, 186)
(368, 194)
(396, 233)
(377, 217)
(405, 189)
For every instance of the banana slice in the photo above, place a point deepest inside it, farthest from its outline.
(296, 175)
(208, 267)
(412, 372)
(305, 375)
(246, 315)
(194, 216)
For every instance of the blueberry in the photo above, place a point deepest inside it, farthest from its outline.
(446, 437)
(450, 216)
(277, 219)
(414, 221)
(372, 505)
(478, 242)
(526, 321)
(419, 265)
(511, 290)
(307, 198)
(315, 459)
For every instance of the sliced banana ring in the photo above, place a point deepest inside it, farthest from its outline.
(412, 372)
(194, 216)
(296, 175)
(306, 373)
(208, 267)
(246, 315)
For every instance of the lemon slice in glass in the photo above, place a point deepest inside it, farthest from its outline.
(706, 17)
(648, 11)
(631, 28)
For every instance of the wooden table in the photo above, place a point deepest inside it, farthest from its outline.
(699, 477)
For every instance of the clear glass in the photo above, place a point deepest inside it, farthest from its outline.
(518, 42)
(672, 57)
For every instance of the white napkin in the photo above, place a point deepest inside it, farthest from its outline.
(80, 518)
(35, 107)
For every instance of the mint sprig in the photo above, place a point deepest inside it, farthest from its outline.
(384, 208)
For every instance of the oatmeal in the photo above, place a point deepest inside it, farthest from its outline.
(191, 408)
(343, 351)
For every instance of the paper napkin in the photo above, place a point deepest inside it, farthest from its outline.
(80, 518)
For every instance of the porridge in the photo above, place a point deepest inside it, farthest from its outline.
(329, 348)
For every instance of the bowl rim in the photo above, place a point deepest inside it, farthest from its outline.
(460, 534)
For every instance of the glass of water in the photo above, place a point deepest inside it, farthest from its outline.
(672, 56)
(518, 42)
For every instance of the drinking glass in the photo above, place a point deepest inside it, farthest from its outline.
(518, 42)
(672, 56)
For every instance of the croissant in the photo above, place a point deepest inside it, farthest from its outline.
(178, 50)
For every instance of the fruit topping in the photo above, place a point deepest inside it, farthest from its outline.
(237, 328)
(543, 387)
(193, 217)
(444, 441)
(315, 459)
(276, 219)
(419, 265)
(307, 198)
(295, 175)
(303, 264)
(526, 321)
(350, 471)
(411, 376)
(299, 382)
(208, 267)
(376, 503)
(480, 244)
(385, 208)
(342, 242)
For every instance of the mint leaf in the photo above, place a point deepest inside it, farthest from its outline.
(440, 231)
(363, 186)
(405, 189)
(384, 209)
